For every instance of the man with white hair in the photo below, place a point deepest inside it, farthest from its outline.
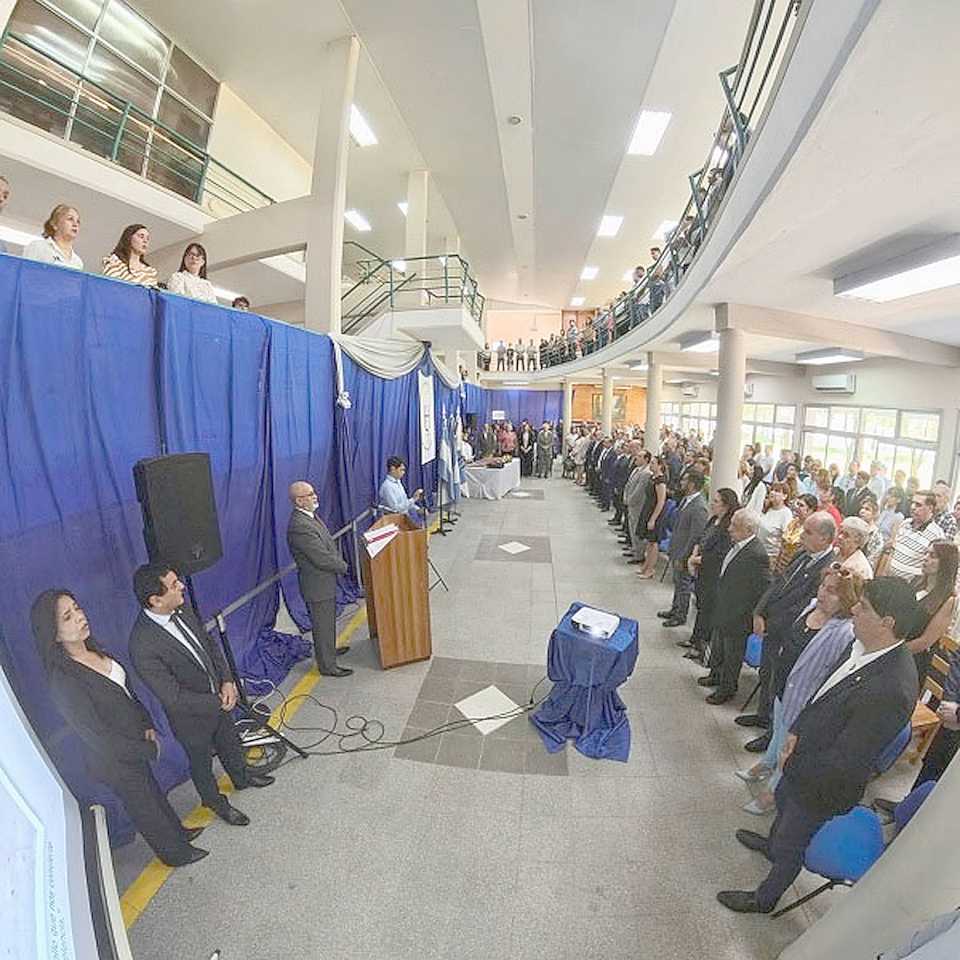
(744, 575)
(850, 543)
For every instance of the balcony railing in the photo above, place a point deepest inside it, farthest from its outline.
(41, 90)
(745, 90)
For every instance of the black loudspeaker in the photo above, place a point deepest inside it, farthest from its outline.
(180, 524)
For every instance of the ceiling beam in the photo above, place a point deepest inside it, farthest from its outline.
(784, 325)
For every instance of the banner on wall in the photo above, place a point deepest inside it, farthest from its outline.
(428, 429)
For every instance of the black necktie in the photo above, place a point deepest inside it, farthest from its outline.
(198, 650)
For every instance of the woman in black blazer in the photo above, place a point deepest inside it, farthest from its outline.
(91, 692)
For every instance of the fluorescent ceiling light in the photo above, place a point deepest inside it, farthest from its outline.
(665, 227)
(589, 273)
(649, 131)
(224, 294)
(820, 358)
(577, 301)
(931, 267)
(515, 383)
(676, 383)
(399, 265)
(357, 220)
(20, 237)
(360, 129)
(404, 206)
(609, 225)
(703, 342)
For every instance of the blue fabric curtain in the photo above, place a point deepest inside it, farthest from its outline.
(518, 405)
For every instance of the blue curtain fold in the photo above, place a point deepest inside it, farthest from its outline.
(518, 405)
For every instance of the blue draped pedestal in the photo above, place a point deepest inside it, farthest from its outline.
(584, 705)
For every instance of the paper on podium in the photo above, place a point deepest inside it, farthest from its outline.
(596, 622)
(379, 539)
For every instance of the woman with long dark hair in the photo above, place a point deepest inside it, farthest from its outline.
(755, 492)
(705, 563)
(650, 522)
(937, 599)
(126, 261)
(93, 695)
(525, 442)
(191, 279)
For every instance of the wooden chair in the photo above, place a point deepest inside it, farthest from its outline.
(925, 722)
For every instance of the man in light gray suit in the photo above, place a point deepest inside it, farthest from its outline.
(318, 564)
(634, 494)
(687, 530)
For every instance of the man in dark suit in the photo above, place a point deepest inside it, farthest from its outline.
(856, 495)
(744, 575)
(687, 530)
(188, 674)
(834, 743)
(781, 604)
(608, 470)
(621, 474)
(318, 565)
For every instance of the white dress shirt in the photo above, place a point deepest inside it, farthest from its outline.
(165, 620)
(858, 659)
(189, 285)
(45, 250)
(732, 552)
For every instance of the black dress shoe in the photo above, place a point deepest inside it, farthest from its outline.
(695, 655)
(233, 816)
(665, 614)
(751, 720)
(674, 623)
(716, 698)
(686, 642)
(614, 523)
(886, 806)
(630, 563)
(343, 650)
(191, 833)
(759, 745)
(258, 780)
(742, 901)
(753, 841)
(338, 672)
(708, 681)
(192, 856)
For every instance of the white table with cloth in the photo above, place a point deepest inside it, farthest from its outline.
(492, 483)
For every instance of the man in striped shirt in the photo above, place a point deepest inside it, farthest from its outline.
(915, 536)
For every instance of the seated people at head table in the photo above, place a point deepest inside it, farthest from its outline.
(191, 279)
(393, 497)
(60, 232)
(126, 261)
(93, 694)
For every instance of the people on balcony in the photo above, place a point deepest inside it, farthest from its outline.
(191, 279)
(126, 261)
(241, 303)
(56, 244)
(4, 197)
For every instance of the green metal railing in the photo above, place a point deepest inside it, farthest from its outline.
(43, 91)
(381, 284)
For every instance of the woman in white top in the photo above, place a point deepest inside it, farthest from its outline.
(775, 519)
(755, 492)
(191, 279)
(59, 233)
(851, 539)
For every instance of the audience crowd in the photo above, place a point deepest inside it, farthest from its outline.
(840, 587)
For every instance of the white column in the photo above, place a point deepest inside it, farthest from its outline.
(607, 415)
(651, 430)
(733, 376)
(470, 362)
(418, 199)
(6, 8)
(567, 411)
(338, 74)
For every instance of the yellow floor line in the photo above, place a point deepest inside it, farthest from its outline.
(138, 895)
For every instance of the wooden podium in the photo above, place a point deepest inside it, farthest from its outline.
(398, 599)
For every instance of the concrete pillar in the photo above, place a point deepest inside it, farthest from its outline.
(567, 412)
(651, 430)
(470, 362)
(418, 198)
(338, 75)
(733, 376)
(607, 415)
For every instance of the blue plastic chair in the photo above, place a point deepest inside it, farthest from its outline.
(751, 658)
(892, 751)
(911, 803)
(842, 851)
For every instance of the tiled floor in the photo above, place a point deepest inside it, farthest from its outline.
(520, 548)
(460, 845)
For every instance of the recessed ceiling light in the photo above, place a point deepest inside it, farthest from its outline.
(577, 301)
(224, 294)
(821, 358)
(665, 227)
(357, 220)
(589, 273)
(399, 265)
(515, 120)
(404, 206)
(609, 225)
(359, 128)
(931, 267)
(649, 131)
(704, 341)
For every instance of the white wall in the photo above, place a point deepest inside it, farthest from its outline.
(291, 312)
(526, 325)
(243, 141)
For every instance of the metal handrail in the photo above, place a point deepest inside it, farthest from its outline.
(708, 186)
(128, 117)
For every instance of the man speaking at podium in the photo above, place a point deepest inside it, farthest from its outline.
(393, 496)
(318, 564)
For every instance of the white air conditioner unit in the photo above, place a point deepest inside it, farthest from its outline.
(835, 383)
(690, 390)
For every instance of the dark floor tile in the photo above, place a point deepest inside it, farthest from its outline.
(439, 689)
(445, 667)
(428, 715)
(519, 729)
(509, 673)
(473, 670)
(538, 761)
(423, 750)
(519, 693)
(503, 756)
(467, 688)
(459, 751)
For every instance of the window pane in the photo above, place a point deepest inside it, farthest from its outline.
(920, 426)
(903, 461)
(868, 451)
(880, 423)
(136, 39)
(817, 416)
(182, 119)
(840, 450)
(121, 79)
(763, 435)
(782, 439)
(786, 414)
(923, 466)
(844, 419)
(33, 89)
(192, 82)
(44, 30)
(750, 411)
(746, 434)
(84, 12)
(815, 445)
(713, 410)
(765, 412)
(180, 170)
